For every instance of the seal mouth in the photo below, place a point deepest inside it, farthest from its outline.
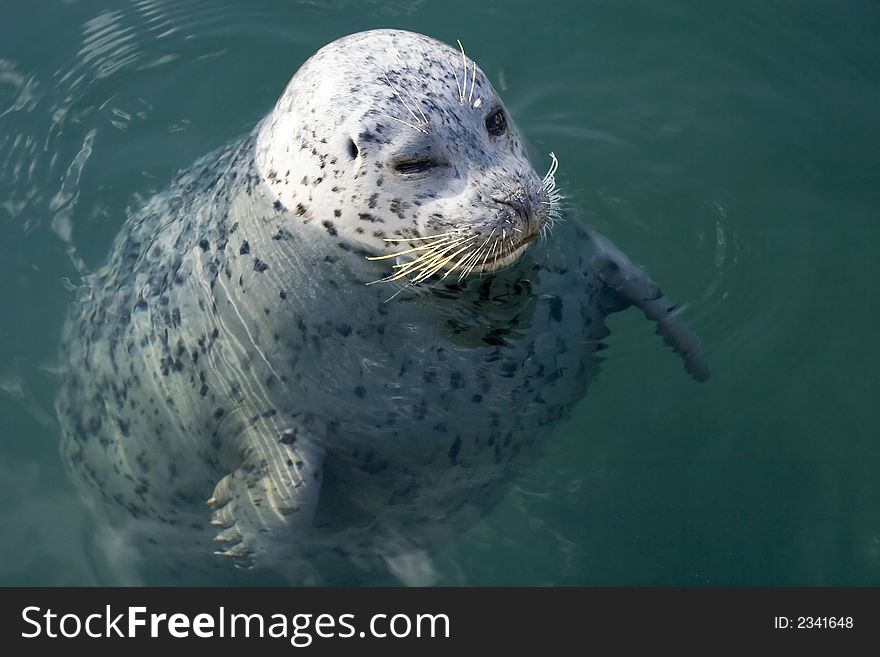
(461, 251)
(507, 254)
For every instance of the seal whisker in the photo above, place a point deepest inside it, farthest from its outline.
(554, 197)
(467, 265)
(403, 287)
(426, 237)
(405, 104)
(406, 268)
(430, 259)
(458, 85)
(420, 264)
(410, 250)
(468, 252)
(473, 262)
(425, 261)
(548, 178)
(409, 95)
(476, 261)
(472, 259)
(460, 264)
(485, 257)
(414, 127)
(391, 298)
(434, 269)
(495, 251)
(462, 90)
(435, 250)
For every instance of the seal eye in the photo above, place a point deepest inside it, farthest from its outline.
(416, 165)
(496, 124)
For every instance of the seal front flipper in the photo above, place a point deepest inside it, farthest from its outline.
(636, 288)
(264, 506)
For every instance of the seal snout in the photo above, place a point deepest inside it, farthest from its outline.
(523, 209)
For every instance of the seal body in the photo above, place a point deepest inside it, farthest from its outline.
(316, 340)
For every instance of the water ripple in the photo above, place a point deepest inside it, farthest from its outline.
(20, 90)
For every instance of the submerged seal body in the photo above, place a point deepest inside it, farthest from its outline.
(337, 334)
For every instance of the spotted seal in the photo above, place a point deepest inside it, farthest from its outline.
(337, 334)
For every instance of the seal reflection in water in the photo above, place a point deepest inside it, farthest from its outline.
(332, 339)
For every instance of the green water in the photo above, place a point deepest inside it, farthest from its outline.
(730, 148)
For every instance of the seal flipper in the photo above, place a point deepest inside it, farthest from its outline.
(636, 288)
(268, 502)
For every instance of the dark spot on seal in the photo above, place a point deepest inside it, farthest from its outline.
(556, 308)
(398, 207)
(454, 449)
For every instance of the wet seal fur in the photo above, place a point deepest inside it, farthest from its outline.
(239, 387)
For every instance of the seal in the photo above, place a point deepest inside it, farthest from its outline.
(340, 334)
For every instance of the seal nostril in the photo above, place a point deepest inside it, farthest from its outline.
(516, 204)
(353, 150)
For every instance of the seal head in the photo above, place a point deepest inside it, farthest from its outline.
(412, 153)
